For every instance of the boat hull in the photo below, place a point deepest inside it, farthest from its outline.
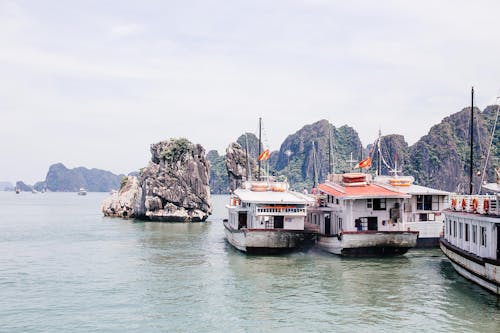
(360, 244)
(484, 272)
(268, 241)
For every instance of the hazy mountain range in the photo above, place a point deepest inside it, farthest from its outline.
(439, 159)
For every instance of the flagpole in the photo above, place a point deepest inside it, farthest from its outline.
(260, 145)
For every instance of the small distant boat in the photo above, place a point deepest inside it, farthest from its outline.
(34, 191)
(18, 190)
(82, 191)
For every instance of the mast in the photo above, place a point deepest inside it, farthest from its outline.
(330, 171)
(315, 171)
(471, 139)
(379, 164)
(246, 153)
(260, 145)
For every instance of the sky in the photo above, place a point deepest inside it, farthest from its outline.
(94, 83)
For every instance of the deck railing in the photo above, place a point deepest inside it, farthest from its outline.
(480, 204)
(280, 210)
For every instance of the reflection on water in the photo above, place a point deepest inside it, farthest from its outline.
(63, 267)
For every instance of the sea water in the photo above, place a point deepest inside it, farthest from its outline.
(66, 268)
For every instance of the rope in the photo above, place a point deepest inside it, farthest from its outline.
(489, 148)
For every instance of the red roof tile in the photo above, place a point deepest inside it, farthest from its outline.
(370, 190)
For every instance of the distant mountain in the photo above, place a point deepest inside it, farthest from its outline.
(6, 186)
(23, 187)
(61, 179)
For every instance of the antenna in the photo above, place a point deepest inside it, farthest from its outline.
(351, 161)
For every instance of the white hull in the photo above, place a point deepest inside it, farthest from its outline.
(485, 274)
(267, 240)
(372, 243)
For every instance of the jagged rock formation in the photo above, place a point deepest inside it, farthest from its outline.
(441, 158)
(173, 187)
(299, 165)
(218, 173)
(126, 202)
(236, 165)
(395, 152)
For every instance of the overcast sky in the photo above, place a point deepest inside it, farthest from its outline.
(93, 83)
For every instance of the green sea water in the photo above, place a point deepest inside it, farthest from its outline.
(65, 268)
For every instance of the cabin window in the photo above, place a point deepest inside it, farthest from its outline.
(337, 201)
(449, 227)
(340, 223)
(460, 230)
(454, 228)
(467, 232)
(427, 202)
(379, 204)
(369, 203)
(474, 234)
(483, 236)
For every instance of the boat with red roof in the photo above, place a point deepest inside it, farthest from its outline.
(358, 217)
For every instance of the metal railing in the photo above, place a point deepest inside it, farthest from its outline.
(480, 204)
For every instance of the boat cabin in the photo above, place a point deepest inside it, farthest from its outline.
(267, 207)
(473, 225)
(351, 202)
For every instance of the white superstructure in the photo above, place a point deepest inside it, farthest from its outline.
(266, 217)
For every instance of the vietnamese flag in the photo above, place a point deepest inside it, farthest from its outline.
(366, 163)
(264, 155)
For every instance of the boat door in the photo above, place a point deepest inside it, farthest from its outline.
(278, 222)
(242, 220)
(372, 223)
(498, 241)
(327, 225)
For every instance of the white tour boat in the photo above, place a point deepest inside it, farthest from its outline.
(472, 238)
(357, 217)
(422, 212)
(82, 191)
(266, 217)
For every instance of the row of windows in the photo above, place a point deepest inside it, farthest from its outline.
(464, 232)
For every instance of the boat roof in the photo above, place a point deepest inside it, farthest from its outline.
(416, 190)
(270, 197)
(493, 187)
(360, 192)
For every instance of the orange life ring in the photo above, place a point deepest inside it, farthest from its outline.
(464, 204)
(486, 205)
(454, 203)
(474, 204)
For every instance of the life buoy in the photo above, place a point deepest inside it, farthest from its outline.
(486, 205)
(464, 203)
(454, 203)
(474, 204)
